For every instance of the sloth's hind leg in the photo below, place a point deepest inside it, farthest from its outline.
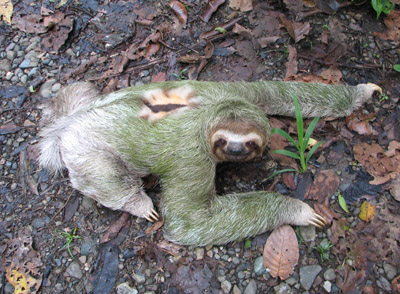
(107, 179)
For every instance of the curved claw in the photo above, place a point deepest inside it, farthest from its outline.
(317, 221)
(375, 87)
(153, 216)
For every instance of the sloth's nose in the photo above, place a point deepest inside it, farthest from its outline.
(235, 149)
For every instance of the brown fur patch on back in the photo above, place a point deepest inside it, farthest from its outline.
(159, 103)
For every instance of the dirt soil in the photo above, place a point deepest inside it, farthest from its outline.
(53, 240)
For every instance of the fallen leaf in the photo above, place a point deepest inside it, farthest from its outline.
(342, 203)
(6, 10)
(391, 21)
(242, 5)
(211, 7)
(325, 212)
(154, 227)
(159, 77)
(395, 188)
(325, 184)
(304, 186)
(31, 23)
(288, 179)
(349, 280)
(333, 74)
(180, 10)
(367, 211)
(359, 123)
(170, 248)
(396, 285)
(281, 252)
(338, 229)
(296, 30)
(291, 65)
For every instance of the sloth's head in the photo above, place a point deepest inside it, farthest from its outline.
(237, 140)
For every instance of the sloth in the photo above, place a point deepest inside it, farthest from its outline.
(180, 131)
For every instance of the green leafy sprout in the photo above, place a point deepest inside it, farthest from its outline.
(385, 6)
(302, 140)
(221, 30)
(396, 67)
(69, 238)
(180, 76)
(323, 248)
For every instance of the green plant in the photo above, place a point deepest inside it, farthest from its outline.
(299, 236)
(69, 238)
(180, 75)
(302, 140)
(323, 248)
(385, 6)
(396, 67)
(221, 30)
(342, 202)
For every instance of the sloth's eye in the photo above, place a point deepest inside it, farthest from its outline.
(251, 145)
(220, 142)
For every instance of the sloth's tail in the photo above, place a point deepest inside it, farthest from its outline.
(68, 101)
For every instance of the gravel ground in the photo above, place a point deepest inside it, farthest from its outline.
(43, 206)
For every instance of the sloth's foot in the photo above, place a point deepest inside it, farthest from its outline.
(308, 216)
(141, 206)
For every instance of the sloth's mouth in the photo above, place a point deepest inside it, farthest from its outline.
(236, 156)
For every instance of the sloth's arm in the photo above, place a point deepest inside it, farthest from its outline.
(276, 98)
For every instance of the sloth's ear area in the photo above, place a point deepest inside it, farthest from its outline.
(158, 103)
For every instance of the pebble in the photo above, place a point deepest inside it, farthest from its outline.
(236, 290)
(226, 286)
(87, 203)
(140, 279)
(259, 268)
(124, 288)
(327, 286)
(56, 87)
(74, 270)
(5, 65)
(308, 274)
(390, 271)
(307, 233)
(86, 248)
(251, 288)
(282, 288)
(199, 253)
(25, 64)
(329, 274)
(40, 222)
(384, 284)
(45, 89)
(10, 55)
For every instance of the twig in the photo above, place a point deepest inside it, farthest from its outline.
(356, 66)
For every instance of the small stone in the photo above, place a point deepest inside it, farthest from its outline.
(235, 260)
(236, 290)
(390, 271)
(259, 268)
(45, 89)
(24, 79)
(5, 65)
(199, 253)
(74, 270)
(9, 76)
(87, 203)
(25, 64)
(308, 274)
(10, 55)
(384, 284)
(226, 286)
(56, 87)
(124, 288)
(327, 286)
(329, 274)
(82, 259)
(307, 233)
(86, 248)
(251, 288)
(70, 52)
(13, 186)
(291, 281)
(282, 288)
(32, 72)
(140, 279)
(10, 47)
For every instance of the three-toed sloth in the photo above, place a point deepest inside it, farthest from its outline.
(180, 131)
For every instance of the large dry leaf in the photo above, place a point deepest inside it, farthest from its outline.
(325, 184)
(392, 22)
(242, 5)
(23, 264)
(383, 166)
(281, 252)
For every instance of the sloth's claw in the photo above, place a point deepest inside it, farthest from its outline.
(317, 221)
(152, 216)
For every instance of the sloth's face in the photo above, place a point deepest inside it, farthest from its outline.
(233, 146)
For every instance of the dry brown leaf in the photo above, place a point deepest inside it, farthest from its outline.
(395, 188)
(349, 280)
(291, 65)
(154, 227)
(22, 261)
(359, 123)
(171, 248)
(396, 285)
(382, 167)
(159, 77)
(180, 10)
(281, 252)
(338, 229)
(332, 74)
(242, 5)
(367, 211)
(212, 6)
(326, 212)
(392, 22)
(325, 184)
(288, 179)
(296, 30)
